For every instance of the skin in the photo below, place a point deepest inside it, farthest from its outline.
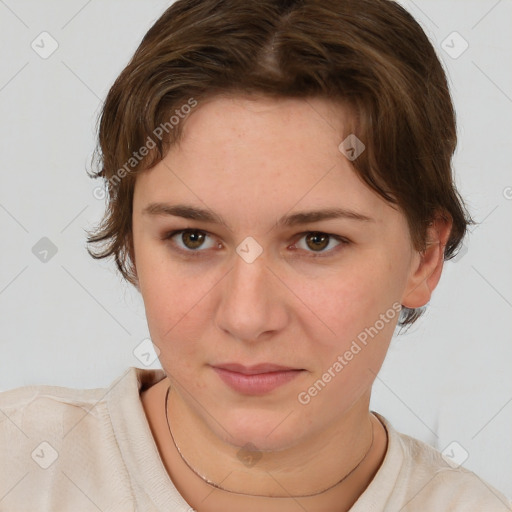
(252, 161)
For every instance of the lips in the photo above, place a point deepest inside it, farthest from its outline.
(255, 369)
(257, 379)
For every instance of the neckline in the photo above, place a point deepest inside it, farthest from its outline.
(147, 471)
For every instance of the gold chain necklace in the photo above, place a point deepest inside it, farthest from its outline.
(217, 486)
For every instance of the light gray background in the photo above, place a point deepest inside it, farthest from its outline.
(71, 321)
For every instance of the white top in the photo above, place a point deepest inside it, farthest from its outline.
(65, 449)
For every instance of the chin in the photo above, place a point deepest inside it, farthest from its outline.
(257, 430)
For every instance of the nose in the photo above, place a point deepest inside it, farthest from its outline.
(253, 302)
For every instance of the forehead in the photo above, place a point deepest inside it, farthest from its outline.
(273, 155)
(249, 119)
(255, 139)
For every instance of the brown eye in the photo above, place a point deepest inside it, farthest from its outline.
(191, 242)
(317, 241)
(192, 239)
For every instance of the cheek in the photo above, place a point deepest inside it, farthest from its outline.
(349, 300)
(176, 304)
(161, 287)
(361, 317)
(358, 312)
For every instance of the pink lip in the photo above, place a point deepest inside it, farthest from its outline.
(255, 380)
(255, 369)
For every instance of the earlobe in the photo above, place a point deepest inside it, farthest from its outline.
(427, 264)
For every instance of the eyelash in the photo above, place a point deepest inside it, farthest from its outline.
(199, 253)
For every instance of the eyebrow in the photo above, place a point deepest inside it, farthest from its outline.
(294, 219)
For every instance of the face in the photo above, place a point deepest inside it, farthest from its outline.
(258, 284)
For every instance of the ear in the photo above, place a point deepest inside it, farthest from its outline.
(427, 265)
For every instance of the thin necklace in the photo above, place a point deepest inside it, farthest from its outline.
(217, 486)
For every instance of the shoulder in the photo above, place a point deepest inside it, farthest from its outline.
(62, 439)
(26, 395)
(31, 410)
(428, 480)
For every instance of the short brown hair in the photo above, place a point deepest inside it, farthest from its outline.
(370, 54)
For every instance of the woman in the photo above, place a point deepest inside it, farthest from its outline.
(279, 175)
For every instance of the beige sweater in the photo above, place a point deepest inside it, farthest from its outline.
(64, 449)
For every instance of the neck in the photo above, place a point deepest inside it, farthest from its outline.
(333, 468)
(250, 455)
